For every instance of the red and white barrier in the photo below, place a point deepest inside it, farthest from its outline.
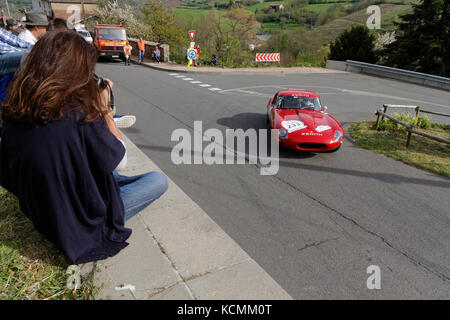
(267, 57)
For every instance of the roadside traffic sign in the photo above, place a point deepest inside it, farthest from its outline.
(192, 54)
(267, 57)
(191, 34)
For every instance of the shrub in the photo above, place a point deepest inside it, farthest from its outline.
(422, 122)
(354, 44)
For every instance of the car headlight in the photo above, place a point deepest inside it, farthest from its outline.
(283, 134)
(337, 135)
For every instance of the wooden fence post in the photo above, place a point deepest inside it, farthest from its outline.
(378, 120)
(384, 111)
(408, 140)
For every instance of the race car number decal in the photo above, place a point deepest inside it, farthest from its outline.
(293, 125)
(322, 128)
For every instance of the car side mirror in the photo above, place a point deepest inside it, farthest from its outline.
(325, 108)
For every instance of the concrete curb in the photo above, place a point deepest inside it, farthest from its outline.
(237, 71)
(177, 252)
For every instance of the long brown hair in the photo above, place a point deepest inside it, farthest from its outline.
(56, 79)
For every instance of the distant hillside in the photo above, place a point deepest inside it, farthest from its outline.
(169, 3)
(389, 13)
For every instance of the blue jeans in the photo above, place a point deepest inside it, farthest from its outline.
(141, 55)
(138, 192)
(10, 62)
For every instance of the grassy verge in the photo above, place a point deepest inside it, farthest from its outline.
(32, 268)
(422, 153)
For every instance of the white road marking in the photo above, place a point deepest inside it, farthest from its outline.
(340, 91)
(203, 85)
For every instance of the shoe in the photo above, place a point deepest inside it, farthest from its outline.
(125, 121)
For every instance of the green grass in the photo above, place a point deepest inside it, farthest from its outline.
(422, 153)
(32, 268)
(320, 7)
(270, 26)
(191, 15)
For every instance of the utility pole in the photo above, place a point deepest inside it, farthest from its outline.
(83, 12)
(7, 6)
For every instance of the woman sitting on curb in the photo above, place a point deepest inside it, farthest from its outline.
(60, 149)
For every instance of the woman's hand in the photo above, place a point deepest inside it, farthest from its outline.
(106, 95)
(109, 116)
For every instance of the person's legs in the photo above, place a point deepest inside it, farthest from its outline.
(138, 192)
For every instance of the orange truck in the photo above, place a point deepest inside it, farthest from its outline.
(109, 40)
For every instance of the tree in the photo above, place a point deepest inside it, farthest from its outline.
(423, 39)
(226, 35)
(115, 12)
(163, 23)
(354, 44)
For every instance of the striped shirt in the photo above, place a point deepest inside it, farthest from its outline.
(11, 43)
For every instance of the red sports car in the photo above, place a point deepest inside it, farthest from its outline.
(303, 122)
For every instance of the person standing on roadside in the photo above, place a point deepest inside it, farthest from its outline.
(127, 50)
(35, 26)
(197, 50)
(141, 47)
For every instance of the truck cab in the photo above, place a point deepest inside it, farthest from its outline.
(109, 40)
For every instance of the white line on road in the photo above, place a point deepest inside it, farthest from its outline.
(215, 89)
(205, 85)
(173, 74)
(340, 91)
(180, 76)
(186, 79)
(196, 82)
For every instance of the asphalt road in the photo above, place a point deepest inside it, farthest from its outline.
(318, 224)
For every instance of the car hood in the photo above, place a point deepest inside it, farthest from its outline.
(311, 120)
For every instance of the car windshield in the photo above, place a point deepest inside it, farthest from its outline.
(112, 34)
(295, 102)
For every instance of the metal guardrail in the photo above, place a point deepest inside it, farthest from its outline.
(399, 72)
